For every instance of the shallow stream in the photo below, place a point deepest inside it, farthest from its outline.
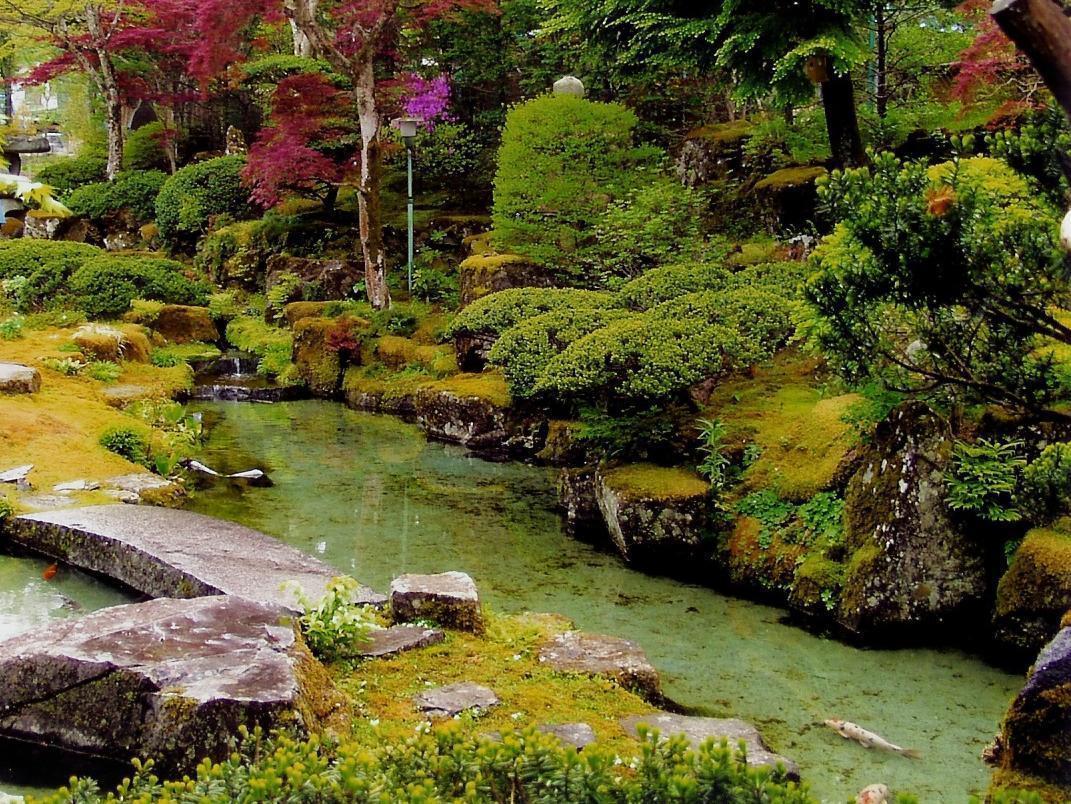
(369, 495)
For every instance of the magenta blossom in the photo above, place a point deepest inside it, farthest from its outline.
(426, 99)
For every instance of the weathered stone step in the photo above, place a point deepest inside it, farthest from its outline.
(162, 552)
(167, 679)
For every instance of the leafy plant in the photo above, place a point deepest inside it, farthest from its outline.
(770, 510)
(11, 328)
(7, 510)
(1045, 492)
(102, 370)
(715, 464)
(126, 442)
(67, 366)
(983, 479)
(334, 626)
(822, 517)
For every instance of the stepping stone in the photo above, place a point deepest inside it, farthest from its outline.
(46, 502)
(453, 699)
(398, 638)
(698, 730)
(18, 379)
(162, 552)
(597, 655)
(167, 679)
(119, 396)
(76, 485)
(16, 475)
(449, 599)
(134, 488)
(578, 735)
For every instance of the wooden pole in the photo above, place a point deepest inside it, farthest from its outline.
(1041, 29)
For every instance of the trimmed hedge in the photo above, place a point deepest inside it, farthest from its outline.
(669, 282)
(197, 193)
(67, 173)
(106, 286)
(132, 190)
(43, 266)
(494, 314)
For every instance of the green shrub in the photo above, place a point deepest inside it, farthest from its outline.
(669, 282)
(494, 314)
(106, 286)
(563, 160)
(288, 287)
(102, 371)
(445, 765)
(1034, 150)
(194, 195)
(983, 479)
(144, 148)
(7, 510)
(11, 328)
(135, 191)
(525, 350)
(67, 173)
(334, 626)
(127, 442)
(42, 268)
(765, 319)
(1045, 491)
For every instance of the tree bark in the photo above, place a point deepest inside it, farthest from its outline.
(368, 197)
(1042, 31)
(842, 123)
(302, 42)
(108, 83)
(881, 63)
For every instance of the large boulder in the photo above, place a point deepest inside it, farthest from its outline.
(489, 272)
(697, 730)
(101, 342)
(18, 379)
(1036, 735)
(318, 364)
(711, 153)
(449, 599)
(332, 278)
(658, 517)
(611, 657)
(168, 679)
(579, 504)
(910, 566)
(1035, 592)
(788, 198)
(180, 323)
(473, 411)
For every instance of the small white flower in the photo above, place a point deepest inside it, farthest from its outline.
(516, 657)
(374, 722)
(517, 715)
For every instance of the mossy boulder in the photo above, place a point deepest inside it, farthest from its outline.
(564, 447)
(399, 353)
(817, 585)
(910, 565)
(658, 518)
(1035, 592)
(100, 342)
(758, 560)
(489, 272)
(713, 153)
(1035, 739)
(297, 311)
(789, 197)
(320, 278)
(180, 323)
(318, 352)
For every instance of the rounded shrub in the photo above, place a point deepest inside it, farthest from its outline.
(144, 148)
(106, 286)
(41, 268)
(67, 173)
(197, 193)
(135, 191)
(669, 282)
(494, 314)
(563, 160)
(126, 442)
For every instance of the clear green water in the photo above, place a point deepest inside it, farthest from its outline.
(369, 495)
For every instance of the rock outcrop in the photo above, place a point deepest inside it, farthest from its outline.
(18, 379)
(698, 730)
(1035, 592)
(910, 566)
(167, 679)
(161, 552)
(593, 654)
(318, 365)
(449, 599)
(183, 324)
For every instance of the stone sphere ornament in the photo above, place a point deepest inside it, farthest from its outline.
(570, 85)
(1065, 232)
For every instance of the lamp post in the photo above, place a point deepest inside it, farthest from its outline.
(407, 126)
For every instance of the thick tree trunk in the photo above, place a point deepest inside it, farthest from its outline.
(108, 84)
(302, 42)
(368, 196)
(845, 141)
(881, 63)
(1042, 31)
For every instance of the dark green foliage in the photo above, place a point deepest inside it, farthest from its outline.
(105, 286)
(144, 149)
(1034, 150)
(135, 191)
(984, 477)
(67, 173)
(445, 765)
(45, 265)
(770, 510)
(634, 432)
(876, 403)
(196, 194)
(1045, 490)
(563, 161)
(494, 314)
(127, 442)
(943, 278)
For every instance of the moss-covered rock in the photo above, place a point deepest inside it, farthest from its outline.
(759, 561)
(564, 447)
(910, 564)
(489, 272)
(789, 197)
(1035, 592)
(817, 585)
(713, 152)
(319, 364)
(579, 504)
(100, 342)
(658, 517)
(181, 323)
(296, 311)
(397, 353)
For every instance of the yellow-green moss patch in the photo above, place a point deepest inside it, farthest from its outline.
(1039, 578)
(650, 482)
(791, 177)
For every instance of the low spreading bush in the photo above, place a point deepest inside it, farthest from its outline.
(105, 286)
(195, 195)
(494, 314)
(145, 148)
(669, 282)
(126, 442)
(42, 268)
(67, 173)
(135, 191)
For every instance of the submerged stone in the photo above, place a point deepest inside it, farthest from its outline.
(449, 598)
(697, 730)
(167, 679)
(594, 654)
(161, 552)
(453, 699)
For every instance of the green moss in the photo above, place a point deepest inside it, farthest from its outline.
(398, 353)
(722, 133)
(649, 482)
(489, 386)
(760, 560)
(790, 177)
(1039, 578)
(818, 583)
(318, 364)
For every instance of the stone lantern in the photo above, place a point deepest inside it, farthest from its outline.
(569, 85)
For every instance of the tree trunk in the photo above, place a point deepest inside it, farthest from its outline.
(881, 63)
(108, 83)
(368, 196)
(1041, 30)
(302, 42)
(845, 141)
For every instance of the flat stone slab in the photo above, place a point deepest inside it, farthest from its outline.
(76, 485)
(578, 735)
(620, 659)
(698, 730)
(18, 379)
(16, 475)
(135, 487)
(453, 699)
(161, 552)
(170, 679)
(449, 599)
(399, 638)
